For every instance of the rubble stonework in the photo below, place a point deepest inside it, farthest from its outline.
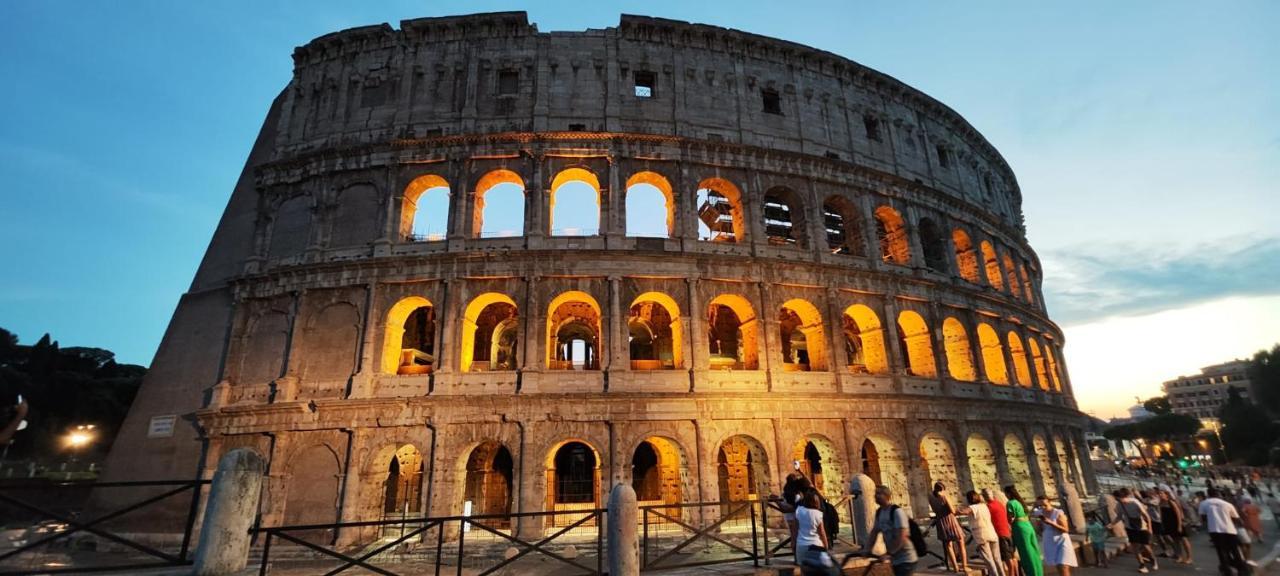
(865, 301)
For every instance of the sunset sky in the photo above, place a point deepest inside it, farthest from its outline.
(1145, 137)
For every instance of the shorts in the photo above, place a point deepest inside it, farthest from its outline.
(1139, 537)
(1006, 549)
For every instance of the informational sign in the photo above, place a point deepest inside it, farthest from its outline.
(161, 426)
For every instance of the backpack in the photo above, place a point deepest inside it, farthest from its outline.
(914, 533)
(830, 521)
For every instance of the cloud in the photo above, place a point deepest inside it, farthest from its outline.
(1092, 282)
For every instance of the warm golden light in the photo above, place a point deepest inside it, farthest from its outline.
(81, 436)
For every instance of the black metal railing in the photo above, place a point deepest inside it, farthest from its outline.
(716, 532)
(75, 527)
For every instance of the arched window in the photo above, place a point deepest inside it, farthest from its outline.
(891, 232)
(966, 257)
(1015, 287)
(1020, 369)
(489, 480)
(1037, 360)
(409, 346)
(575, 203)
(424, 213)
(650, 206)
(992, 355)
(991, 265)
(803, 342)
(784, 218)
(573, 332)
(864, 340)
(939, 463)
(916, 344)
(499, 205)
(959, 354)
(742, 468)
(655, 333)
(575, 477)
(402, 490)
(1054, 374)
(719, 211)
(656, 468)
(490, 332)
(1028, 286)
(843, 225)
(732, 333)
(885, 462)
(933, 245)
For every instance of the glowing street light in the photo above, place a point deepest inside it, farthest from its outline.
(80, 436)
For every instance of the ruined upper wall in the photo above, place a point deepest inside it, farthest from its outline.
(489, 73)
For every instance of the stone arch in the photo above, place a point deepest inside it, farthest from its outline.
(1068, 471)
(265, 345)
(992, 355)
(585, 179)
(402, 482)
(656, 332)
(915, 341)
(291, 227)
(742, 469)
(490, 329)
(1015, 457)
(357, 216)
(992, 266)
(884, 461)
(802, 336)
(720, 211)
(573, 469)
(1011, 274)
(784, 221)
(1043, 462)
(311, 496)
(1037, 360)
(333, 339)
(409, 337)
(488, 479)
(939, 463)
(1028, 287)
(820, 461)
(966, 256)
(1054, 374)
(1020, 369)
(959, 353)
(733, 333)
(864, 340)
(658, 471)
(891, 231)
(843, 225)
(504, 182)
(574, 332)
(983, 471)
(933, 244)
(416, 225)
(647, 179)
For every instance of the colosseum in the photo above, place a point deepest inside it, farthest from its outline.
(471, 265)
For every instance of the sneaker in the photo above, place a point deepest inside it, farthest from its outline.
(1142, 570)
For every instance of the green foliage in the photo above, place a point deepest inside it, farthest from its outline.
(1248, 432)
(1164, 427)
(1158, 405)
(1264, 374)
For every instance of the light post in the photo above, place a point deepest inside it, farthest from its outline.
(79, 438)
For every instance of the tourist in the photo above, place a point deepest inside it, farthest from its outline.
(792, 488)
(1171, 520)
(1055, 542)
(1024, 536)
(1137, 528)
(1000, 520)
(1096, 532)
(811, 540)
(1152, 503)
(1219, 517)
(949, 531)
(984, 533)
(894, 526)
(1251, 518)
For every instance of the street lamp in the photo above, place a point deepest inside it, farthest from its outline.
(80, 436)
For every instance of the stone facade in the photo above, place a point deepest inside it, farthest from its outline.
(859, 298)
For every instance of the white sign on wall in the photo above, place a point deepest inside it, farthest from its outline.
(161, 426)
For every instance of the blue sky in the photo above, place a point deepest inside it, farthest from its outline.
(1145, 135)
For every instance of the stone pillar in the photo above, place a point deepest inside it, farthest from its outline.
(838, 359)
(699, 358)
(1074, 507)
(616, 339)
(864, 507)
(624, 548)
(223, 549)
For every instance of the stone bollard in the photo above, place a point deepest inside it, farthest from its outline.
(1075, 508)
(864, 506)
(233, 503)
(624, 547)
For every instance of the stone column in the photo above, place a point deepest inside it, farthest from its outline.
(889, 323)
(838, 359)
(223, 549)
(624, 548)
(698, 357)
(617, 337)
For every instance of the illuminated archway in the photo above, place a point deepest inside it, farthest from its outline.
(489, 479)
(1037, 360)
(864, 340)
(1020, 369)
(720, 216)
(646, 191)
(402, 486)
(1046, 469)
(966, 256)
(490, 330)
(409, 337)
(1015, 287)
(578, 188)
(573, 332)
(991, 265)
(820, 462)
(982, 463)
(1015, 455)
(884, 461)
(656, 334)
(891, 231)
(940, 463)
(1028, 287)
(843, 225)
(742, 469)
(916, 344)
(802, 336)
(992, 355)
(424, 210)
(657, 472)
(499, 205)
(959, 354)
(573, 479)
(733, 333)
(1054, 374)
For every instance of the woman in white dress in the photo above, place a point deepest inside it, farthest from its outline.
(1055, 542)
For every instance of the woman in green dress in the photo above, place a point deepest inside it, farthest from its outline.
(1024, 535)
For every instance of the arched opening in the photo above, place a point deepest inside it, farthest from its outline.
(916, 345)
(992, 355)
(1053, 368)
(489, 481)
(742, 469)
(843, 225)
(1028, 288)
(573, 332)
(1015, 287)
(940, 464)
(573, 479)
(732, 334)
(575, 203)
(883, 462)
(864, 341)
(657, 473)
(991, 265)
(1042, 462)
(1015, 457)
(655, 333)
(650, 206)
(784, 218)
(959, 354)
(820, 462)
(424, 211)
(1020, 369)
(966, 256)
(490, 331)
(1068, 472)
(719, 211)
(982, 464)
(933, 245)
(311, 496)
(1037, 359)
(499, 205)
(402, 489)
(803, 342)
(409, 346)
(891, 232)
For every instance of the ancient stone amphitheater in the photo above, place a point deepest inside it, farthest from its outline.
(789, 260)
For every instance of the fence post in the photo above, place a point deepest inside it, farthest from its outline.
(223, 549)
(624, 548)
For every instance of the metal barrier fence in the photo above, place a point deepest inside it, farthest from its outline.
(66, 527)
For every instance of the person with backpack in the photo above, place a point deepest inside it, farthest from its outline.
(902, 538)
(812, 542)
(1137, 526)
(1024, 535)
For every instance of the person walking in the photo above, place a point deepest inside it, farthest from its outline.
(1218, 517)
(893, 525)
(1137, 527)
(1251, 518)
(1024, 536)
(1055, 542)
(1175, 534)
(1096, 532)
(1000, 520)
(949, 531)
(984, 533)
(812, 544)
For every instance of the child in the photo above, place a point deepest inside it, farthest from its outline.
(1097, 534)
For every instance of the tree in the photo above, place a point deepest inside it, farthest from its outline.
(1264, 374)
(1167, 427)
(1158, 405)
(1248, 432)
